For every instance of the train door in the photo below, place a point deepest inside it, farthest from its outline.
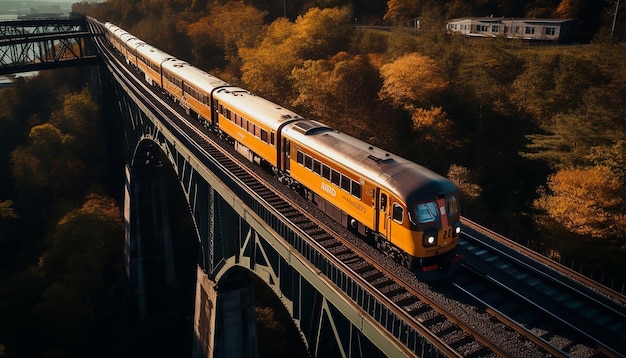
(286, 154)
(384, 219)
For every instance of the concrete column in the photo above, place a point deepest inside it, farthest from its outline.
(204, 317)
(235, 332)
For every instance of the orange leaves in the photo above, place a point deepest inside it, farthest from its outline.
(411, 80)
(587, 201)
(567, 9)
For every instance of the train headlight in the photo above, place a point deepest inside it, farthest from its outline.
(430, 238)
(457, 229)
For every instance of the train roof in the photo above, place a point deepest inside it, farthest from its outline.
(194, 76)
(110, 26)
(153, 53)
(405, 179)
(130, 40)
(249, 105)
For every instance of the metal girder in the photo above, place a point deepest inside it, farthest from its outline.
(30, 45)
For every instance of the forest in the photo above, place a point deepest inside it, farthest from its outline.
(532, 134)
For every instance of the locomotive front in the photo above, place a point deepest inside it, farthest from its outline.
(434, 220)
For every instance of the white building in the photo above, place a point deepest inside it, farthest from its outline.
(557, 30)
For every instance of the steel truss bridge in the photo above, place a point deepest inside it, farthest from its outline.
(40, 44)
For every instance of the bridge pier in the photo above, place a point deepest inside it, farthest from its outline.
(225, 318)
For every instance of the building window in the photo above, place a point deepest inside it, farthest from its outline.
(495, 28)
(550, 31)
(530, 30)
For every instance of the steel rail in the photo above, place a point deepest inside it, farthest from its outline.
(602, 346)
(555, 266)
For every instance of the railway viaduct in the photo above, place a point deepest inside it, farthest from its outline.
(229, 235)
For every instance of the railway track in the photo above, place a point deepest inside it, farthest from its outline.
(452, 332)
(556, 312)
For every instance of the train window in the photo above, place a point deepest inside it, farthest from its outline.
(325, 171)
(244, 123)
(356, 190)
(345, 183)
(398, 212)
(257, 131)
(227, 113)
(264, 135)
(308, 162)
(272, 138)
(317, 167)
(300, 158)
(453, 205)
(335, 177)
(383, 202)
(427, 212)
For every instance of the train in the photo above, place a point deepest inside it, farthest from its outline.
(405, 210)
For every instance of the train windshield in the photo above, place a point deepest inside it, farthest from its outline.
(427, 212)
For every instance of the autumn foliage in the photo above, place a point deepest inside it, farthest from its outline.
(587, 201)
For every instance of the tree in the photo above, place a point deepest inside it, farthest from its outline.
(339, 91)
(46, 168)
(567, 9)
(531, 88)
(432, 124)
(321, 33)
(6, 214)
(85, 245)
(79, 118)
(569, 137)
(464, 180)
(587, 201)
(611, 156)
(318, 34)
(410, 81)
(230, 26)
(266, 69)
(401, 10)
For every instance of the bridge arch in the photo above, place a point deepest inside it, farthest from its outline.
(161, 252)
